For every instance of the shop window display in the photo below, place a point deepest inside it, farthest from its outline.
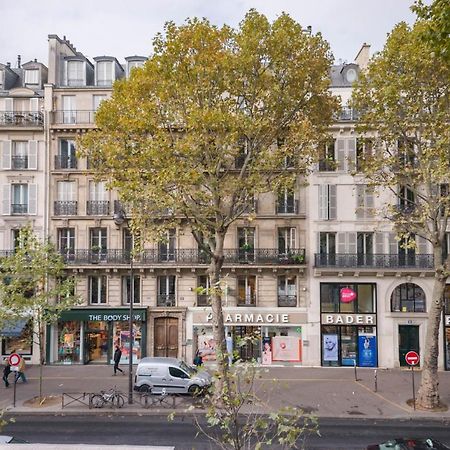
(69, 342)
(121, 333)
(22, 344)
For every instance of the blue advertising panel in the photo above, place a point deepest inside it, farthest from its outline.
(367, 351)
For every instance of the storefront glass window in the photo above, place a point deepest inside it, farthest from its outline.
(121, 335)
(330, 346)
(329, 297)
(349, 337)
(69, 342)
(408, 297)
(22, 344)
(362, 298)
(97, 341)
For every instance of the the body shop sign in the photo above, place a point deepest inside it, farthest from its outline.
(347, 295)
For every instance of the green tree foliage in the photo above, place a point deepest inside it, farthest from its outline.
(34, 287)
(208, 123)
(404, 100)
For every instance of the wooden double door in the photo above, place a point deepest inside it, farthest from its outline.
(166, 337)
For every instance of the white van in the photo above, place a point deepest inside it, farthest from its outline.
(171, 374)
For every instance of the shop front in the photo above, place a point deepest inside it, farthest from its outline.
(348, 324)
(267, 336)
(447, 337)
(84, 336)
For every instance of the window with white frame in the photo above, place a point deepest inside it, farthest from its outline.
(364, 150)
(134, 64)
(66, 240)
(167, 246)
(19, 198)
(67, 157)
(327, 162)
(286, 202)
(327, 201)
(104, 73)
(19, 155)
(166, 290)
(203, 296)
(32, 76)
(246, 291)
(97, 289)
(126, 289)
(97, 99)
(287, 290)
(19, 203)
(287, 240)
(364, 201)
(66, 191)
(75, 73)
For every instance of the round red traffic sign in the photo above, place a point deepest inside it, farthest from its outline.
(412, 358)
(14, 359)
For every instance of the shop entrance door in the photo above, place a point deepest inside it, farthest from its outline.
(166, 337)
(251, 338)
(408, 340)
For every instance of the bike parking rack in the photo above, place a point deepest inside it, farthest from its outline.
(76, 397)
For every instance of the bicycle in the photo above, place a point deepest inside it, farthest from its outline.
(163, 400)
(113, 397)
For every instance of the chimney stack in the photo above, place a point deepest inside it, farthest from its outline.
(363, 56)
(19, 58)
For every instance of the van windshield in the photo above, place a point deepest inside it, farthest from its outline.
(186, 368)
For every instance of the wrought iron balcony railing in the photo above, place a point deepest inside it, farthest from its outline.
(189, 256)
(374, 261)
(203, 300)
(165, 300)
(347, 114)
(97, 207)
(21, 119)
(19, 208)
(19, 162)
(288, 207)
(248, 300)
(65, 162)
(66, 208)
(75, 117)
(287, 300)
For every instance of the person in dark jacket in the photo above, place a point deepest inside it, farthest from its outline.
(117, 356)
(6, 372)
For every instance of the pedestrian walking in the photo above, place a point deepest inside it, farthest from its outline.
(117, 356)
(198, 360)
(21, 371)
(6, 372)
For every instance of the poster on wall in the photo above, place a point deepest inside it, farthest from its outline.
(330, 347)
(367, 351)
(286, 348)
(207, 347)
(267, 350)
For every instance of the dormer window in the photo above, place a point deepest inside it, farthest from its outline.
(105, 73)
(133, 64)
(75, 73)
(32, 76)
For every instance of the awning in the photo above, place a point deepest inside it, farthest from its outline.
(13, 329)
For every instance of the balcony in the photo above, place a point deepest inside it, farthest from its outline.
(166, 300)
(248, 300)
(203, 300)
(73, 117)
(375, 261)
(287, 300)
(347, 114)
(65, 162)
(97, 208)
(289, 207)
(19, 162)
(21, 119)
(232, 257)
(65, 208)
(19, 208)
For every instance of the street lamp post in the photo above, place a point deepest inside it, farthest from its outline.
(119, 218)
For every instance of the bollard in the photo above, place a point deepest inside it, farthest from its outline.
(356, 373)
(375, 375)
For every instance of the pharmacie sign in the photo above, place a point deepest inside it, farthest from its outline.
(252, 318)
(103, 315)
(349, 319)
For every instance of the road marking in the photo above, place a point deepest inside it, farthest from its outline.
(384, 398)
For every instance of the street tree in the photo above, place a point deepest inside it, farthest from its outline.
(404, 100)
(34, 287)
(214, 118)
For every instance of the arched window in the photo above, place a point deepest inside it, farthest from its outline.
(408, 297)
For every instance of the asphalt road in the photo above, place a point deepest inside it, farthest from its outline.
(346, 434)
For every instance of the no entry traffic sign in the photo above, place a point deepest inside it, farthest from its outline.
(412, 358)
(14, 359)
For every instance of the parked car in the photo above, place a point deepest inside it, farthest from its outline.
(11, 440)
(171, 374)
(406, 444)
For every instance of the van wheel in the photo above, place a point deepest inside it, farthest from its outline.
(194, 390)
(145, 388)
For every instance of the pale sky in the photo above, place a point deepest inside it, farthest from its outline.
(126, 27)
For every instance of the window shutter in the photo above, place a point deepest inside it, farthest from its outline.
(292, 237)
(422, 245)
(393, 244)
(323, 201)
(360, 201)
(351, 243)
(34, 105)
(351, 154)
(6, 209)
(340, 144)
(341, 243)
(9, 105)
(32, 154)
(332, 200)
(6, 155)
(379, 243)
(32, 199)
(369, 201)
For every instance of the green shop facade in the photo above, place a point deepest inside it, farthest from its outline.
(89, 336)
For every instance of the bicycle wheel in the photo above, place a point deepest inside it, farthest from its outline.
(118, 401)
(97, 401)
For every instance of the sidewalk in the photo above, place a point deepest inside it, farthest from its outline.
(326, 392)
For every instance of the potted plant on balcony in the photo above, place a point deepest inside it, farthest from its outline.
(246, 247)
(298, 258)
(95, 254)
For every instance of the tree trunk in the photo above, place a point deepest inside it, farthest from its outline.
(41, 357)
(428, 394)
(214, 272)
